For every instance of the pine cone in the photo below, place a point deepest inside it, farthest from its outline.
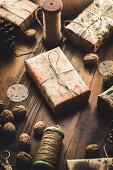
(7, 35)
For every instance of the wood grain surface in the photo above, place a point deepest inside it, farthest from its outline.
(82, 125)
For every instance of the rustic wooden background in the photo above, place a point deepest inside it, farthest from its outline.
(82, 126)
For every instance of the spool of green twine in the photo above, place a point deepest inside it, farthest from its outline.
(47, 155)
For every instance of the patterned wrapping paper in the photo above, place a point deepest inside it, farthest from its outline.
(92, 164)
(19, 12)
(57, 79)
(105, 100)
(17, 93)
(92, 28)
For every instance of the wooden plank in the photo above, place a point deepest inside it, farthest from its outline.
(81, 125)
(90, 128)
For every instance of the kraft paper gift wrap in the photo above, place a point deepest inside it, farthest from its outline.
(57, 79)
(19, 12)
(105, 100)
(90, 164)
(92, 28)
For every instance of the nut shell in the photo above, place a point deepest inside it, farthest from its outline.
(1, 106)
(24, 142)
(19, 111)
(23, 159)
(30, 34)
(6, 116)
(93, 151)
(108, 79)
(9, 128)
(39, 127)
(91, 59)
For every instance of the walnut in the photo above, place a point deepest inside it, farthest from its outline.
(93, 151)
(23, 159)
(9, 129)
(24, 142)
(30, 34)
(108, 79)
(91, 59)
(39, 128)
(19, 111)
(1, 106)
(6, 116)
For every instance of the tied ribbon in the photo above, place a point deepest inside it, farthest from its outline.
(60, 81)
(5, 4)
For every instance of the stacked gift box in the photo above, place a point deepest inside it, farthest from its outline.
(92, 28)
(19, 12)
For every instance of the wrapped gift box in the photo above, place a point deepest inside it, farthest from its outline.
(19, 12)
(92, 28)
(94, 164)
(105, 100)
(57, 79)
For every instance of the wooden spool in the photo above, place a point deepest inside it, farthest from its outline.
(42, 164)
(52, 8)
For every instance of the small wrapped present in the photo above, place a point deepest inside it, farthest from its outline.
(93, 26)
(91, 164)
(57, 79)
(105, 100)
(19, 12)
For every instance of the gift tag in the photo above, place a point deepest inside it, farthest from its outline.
(17, 93)
(106, 67)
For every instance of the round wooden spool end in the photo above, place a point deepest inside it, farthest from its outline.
(52, 6)
(42, 165)
(52, 44)
(56, 129)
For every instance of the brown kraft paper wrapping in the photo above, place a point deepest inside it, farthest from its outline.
(19, 12)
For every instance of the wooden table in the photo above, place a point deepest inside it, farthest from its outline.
(81, 126)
